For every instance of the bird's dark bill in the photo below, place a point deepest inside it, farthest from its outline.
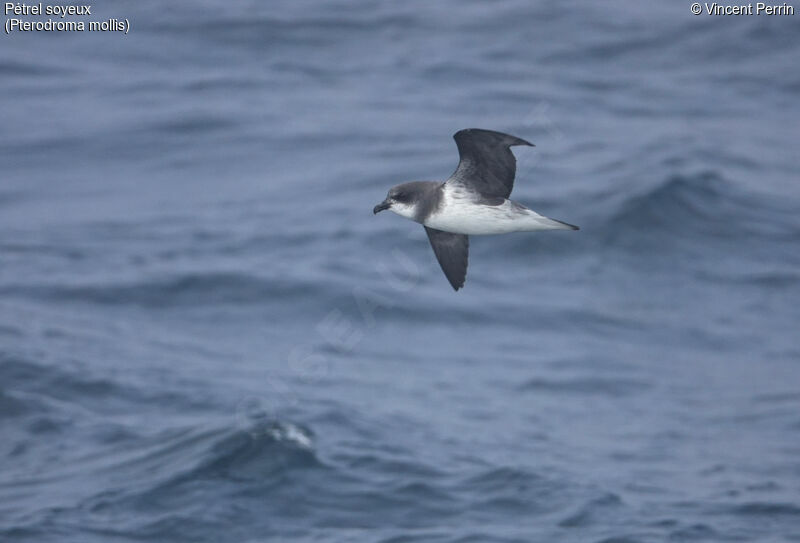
(381, 206)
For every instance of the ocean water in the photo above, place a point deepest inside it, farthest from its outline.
(206, 335)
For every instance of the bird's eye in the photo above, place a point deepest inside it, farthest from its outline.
(398, 196)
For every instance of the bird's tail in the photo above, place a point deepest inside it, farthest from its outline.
(546, 223)
(540, 222)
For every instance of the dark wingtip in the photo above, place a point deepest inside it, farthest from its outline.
(454, 282)
(510, 140)
(520, 141)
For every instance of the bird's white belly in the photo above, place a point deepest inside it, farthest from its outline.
(473, 219)
(459, 214)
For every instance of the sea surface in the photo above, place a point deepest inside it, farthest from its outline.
(206, 335)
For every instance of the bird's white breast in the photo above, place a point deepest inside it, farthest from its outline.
(459, 213)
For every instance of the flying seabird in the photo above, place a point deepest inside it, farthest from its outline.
(473, 201)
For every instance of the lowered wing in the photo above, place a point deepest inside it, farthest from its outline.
(452, 251)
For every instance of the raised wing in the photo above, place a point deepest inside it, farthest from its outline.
(452, 251)
(487, 165)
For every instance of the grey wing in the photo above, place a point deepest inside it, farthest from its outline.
(486, 164)
(452, 252)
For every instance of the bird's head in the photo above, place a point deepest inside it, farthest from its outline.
(402, 199)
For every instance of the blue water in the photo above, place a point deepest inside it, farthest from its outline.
(206, 335)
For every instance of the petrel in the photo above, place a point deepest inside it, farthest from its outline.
(473, 201)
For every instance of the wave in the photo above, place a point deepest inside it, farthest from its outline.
(11, 405)
(66, 389)
(583, 386)
(769, 509)
(187, 289)
(593, 511)
(520, 499)
(255, 453)
(704, 205)
(155, 489)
